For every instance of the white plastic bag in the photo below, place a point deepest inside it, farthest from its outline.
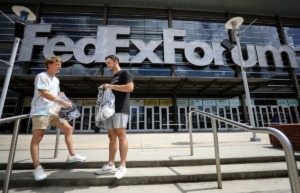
(62, 112)
(105, 105)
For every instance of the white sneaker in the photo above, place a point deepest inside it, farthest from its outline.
(39, 173)
(106, 169)
(121, 172)
(75, 158)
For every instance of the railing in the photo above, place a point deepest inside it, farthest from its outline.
(287, 146)
(13, 146)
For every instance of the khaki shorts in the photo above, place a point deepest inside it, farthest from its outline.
(42, 122)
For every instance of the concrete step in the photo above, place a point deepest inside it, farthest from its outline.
(272, 185)
(149, 175)
(151, 163)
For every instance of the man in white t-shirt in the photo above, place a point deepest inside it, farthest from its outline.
(46, 90)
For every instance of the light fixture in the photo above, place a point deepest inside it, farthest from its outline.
(234, 24)
(227, 45)
(24, 15)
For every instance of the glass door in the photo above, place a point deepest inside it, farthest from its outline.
(182, 118)
(134, 122)
(294, 114)
(149, 118)
(235, 116)
(156, 118)
(265, 120)
(195, 118)
(201, 120)
(86, 118)
(276, 117)
(76, 123)
(287, 114)
(141, 118)
(222, 113)
(164, 117)
(207, 120)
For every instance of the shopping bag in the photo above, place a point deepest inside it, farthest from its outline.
(105, 105)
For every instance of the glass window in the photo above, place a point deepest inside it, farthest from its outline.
(259, 35)
(201, 30)
(206, 71)
(7, 27)
(292, 35)
(276, 73)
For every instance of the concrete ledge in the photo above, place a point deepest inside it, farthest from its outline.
(151, 175)
(152, 163)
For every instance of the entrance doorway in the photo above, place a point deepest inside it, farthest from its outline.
(235, 116)
(149, 118)
(86, 118)
(134, 121)
(164, 117)
(182, 118)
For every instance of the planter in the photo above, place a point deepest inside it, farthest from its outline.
(292, 132)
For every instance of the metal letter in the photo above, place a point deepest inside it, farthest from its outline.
(52, 47)
(170, 45)
(31, 40)
(79, 50)
(252, 57)
(146, 51)
(191, 56)
(107, 42)
(261, 52)
(218, 51)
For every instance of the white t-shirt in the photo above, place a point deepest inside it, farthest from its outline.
(40, 105)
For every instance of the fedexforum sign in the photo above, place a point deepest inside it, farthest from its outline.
(107, 42)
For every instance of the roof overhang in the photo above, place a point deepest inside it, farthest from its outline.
(168, 87)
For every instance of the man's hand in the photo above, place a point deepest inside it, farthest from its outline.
(63, 103)
(68, 105)
(106, 86)
(46, 94)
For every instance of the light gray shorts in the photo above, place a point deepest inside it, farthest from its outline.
(118, 120)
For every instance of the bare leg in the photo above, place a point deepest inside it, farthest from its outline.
(112, 135)
(37, 136)
(68, 131)
(123, 145)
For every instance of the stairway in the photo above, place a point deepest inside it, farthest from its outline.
(150, 172)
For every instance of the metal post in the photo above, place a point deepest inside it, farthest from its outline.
(244, 76)
(8, 74)
(191, 135)
(11, 156)
(217, 153)
(56, 143)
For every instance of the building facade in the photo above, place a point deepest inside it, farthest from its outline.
(173, 51)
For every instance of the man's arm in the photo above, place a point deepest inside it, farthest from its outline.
(128, 87)
(47, 95)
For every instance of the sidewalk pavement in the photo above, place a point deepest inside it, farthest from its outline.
(145, 146)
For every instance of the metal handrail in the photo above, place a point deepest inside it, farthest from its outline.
(13, 146)
(286, 144)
